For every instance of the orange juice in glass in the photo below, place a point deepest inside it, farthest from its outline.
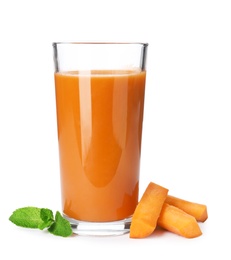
(100, 90)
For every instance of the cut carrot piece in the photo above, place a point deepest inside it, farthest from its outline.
(147, 212)
(179, 222)
(199, 211)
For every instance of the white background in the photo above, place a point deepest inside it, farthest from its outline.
(187, 122)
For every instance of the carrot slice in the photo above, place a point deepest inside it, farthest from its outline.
(199, 211)
(179, 222)
(147, 212)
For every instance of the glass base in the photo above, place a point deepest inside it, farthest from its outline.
(114, 228)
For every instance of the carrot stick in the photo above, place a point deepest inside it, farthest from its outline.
(179, 222)
(146, 214)
(199, 211)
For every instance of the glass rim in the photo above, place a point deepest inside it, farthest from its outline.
(145, 44)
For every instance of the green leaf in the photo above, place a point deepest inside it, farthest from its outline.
(61, 227)
(47, 217)
(28, 217)
(46, 214)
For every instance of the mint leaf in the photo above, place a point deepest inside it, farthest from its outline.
(61, 227)
(47, 217)
(28, 217)
(46, 214)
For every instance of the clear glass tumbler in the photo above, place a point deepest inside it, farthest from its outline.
(100, 90)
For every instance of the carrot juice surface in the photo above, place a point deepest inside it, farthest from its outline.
(99, 115)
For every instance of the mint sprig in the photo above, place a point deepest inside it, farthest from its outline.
(41, 218)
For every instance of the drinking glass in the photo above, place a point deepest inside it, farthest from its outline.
(100, 88)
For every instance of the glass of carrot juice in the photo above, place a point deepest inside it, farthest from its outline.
(100, 90)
